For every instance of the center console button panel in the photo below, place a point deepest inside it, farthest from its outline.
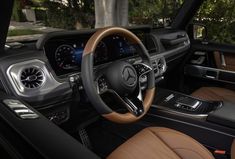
(178, 102)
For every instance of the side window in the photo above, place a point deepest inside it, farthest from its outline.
(219, 18)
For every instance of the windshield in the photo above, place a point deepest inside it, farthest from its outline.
(32, 18)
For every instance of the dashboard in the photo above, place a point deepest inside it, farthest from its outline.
(41, 74)
(65, 55)
(38, 73)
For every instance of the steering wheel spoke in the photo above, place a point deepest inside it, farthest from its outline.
(134, 106)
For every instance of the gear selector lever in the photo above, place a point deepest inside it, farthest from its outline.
(188, 103)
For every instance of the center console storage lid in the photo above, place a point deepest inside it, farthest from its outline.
(223, 116)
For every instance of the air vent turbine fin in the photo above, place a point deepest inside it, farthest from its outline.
(32, 77)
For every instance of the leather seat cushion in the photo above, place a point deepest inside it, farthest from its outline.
(160, 143)
(214, 94)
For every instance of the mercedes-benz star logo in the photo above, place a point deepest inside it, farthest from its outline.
(129, 76)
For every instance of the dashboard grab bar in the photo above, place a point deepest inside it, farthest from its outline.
(174, 41)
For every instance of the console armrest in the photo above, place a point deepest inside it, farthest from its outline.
(224, 115)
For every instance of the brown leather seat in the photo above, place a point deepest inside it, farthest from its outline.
(161, 143)
(214, 94)
(233, 150)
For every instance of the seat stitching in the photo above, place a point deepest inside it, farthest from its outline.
(186, 137)
(156, 136)
(181, 135)
(189, 150)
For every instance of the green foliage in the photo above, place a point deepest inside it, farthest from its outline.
(18, 32)
(219, 17)
(154, 12)
(67, 15)
(17, 14)
(40, 14)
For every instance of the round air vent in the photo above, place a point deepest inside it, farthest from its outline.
(32, 77)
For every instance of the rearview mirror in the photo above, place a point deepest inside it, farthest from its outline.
(199, 32)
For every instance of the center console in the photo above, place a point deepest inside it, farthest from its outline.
(179, 103)
(224, 116)
(210, 123)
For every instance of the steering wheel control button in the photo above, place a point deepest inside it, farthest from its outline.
(143, 79)
(129, 76)
(102, 85)
(20, 109)
(142, 68)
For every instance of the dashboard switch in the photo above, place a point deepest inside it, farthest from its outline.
(142, 68)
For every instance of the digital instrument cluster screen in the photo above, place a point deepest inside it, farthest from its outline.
(67, 56)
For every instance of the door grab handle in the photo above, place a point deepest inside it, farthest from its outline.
(211, 77)
(223, 63)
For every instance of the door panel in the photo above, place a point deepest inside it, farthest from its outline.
(217, 41)
(44, 138)
(225, 61)
(210, 64)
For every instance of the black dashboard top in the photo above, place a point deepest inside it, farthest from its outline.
(142, 29)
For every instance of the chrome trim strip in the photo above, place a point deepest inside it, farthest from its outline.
(223, 62)
(174, 112)
(20, 110)
(210, 69)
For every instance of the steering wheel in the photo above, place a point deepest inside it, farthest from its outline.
(120, 78)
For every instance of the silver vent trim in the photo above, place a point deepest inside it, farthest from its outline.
(14, 75)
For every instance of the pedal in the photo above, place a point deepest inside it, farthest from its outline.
(84, 138)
